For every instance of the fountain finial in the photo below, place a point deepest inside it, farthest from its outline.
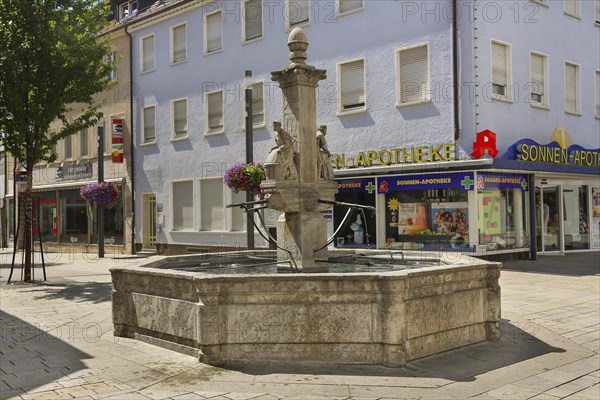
(298, 43)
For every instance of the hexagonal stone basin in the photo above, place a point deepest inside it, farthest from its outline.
(384, 313)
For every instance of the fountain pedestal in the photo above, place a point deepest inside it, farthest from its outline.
(294, 180)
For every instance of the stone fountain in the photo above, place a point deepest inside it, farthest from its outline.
(298, 168)
(386, 318)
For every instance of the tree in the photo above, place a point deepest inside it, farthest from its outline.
(52, 62)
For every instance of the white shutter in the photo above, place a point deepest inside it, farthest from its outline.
(238, 217)
(352, 80)
(297, 11)
(572, 7)
(598, 94)
(183, 205)
(84, 149)
(180, 118)
(149, 124)
(211, 205)
(215, 111)
(571, 88)
(500, 65)
(258, 113)
(349, 5)
(213, 32)
(253, 19)
(414, 74)
(537, 77)
(148, 53)
(68, 147)
(179, 44)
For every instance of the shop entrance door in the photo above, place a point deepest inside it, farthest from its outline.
(548, 219)
(149, 221)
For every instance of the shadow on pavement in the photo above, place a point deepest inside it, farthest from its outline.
(80, 292)
(570, 264)
(517, 344)
(33, 356)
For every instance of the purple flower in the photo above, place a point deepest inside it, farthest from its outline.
(101, 193)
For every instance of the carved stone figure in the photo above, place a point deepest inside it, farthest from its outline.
(280, 162)
(323, 158)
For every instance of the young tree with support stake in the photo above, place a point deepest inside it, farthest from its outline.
(52, 63)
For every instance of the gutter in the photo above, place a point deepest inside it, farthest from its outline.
(131, 140)
(455, 66)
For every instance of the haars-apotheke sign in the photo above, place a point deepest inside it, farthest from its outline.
(398, 155)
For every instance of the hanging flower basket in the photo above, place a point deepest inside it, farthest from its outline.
(243, 177)
(101, 193)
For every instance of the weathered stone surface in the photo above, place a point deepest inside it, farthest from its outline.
(367, 318)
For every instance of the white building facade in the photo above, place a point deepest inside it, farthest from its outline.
(401, 141)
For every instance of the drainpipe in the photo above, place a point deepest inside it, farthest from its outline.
(131, 138)
(455, 78)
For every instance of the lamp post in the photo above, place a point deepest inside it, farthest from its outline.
(249, 155)
(99, 207)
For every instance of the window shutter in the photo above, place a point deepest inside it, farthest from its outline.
(571, 7)
(598, 94)
(253, 19)
(597, 12)
(149, 122)
(414, 75)
(68, 147)
(213, 32)
(215, 111)
(352, 84)
(148, 54)
(179, 39)
(571, 88)
(183, 205)
(499, 65)
(84, 149)
(537, 76)
(211, 203)
(349, 5)
(297, 11)
(180, 118)
(258, 113)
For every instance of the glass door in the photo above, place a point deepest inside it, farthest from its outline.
(548, 218)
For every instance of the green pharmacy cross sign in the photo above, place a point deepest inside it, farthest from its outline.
(370, 187)
(467, 182)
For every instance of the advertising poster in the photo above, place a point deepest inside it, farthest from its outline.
(412, 218)
(451, 219)
(117, 140)
(490, 202)
(596, 217)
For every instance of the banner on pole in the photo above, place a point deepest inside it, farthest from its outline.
(117, 140)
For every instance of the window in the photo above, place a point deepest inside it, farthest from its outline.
(597, 93)
(413, 75)
(297, 12)
(238, 217)
(53, 150)
(572, 8)
(572, 105)
(147, 56)
(597, 12)
(258, 109)
(212, 34)
(127, 9)
(112, 59)
(352, 86)
(149, 124)
(500, 70)
(68, 147)
(537, 85)
(345, 6)
(544, 2)
(84, 143)
(211, 205)
(182, 201)
(179, 109)
(252, 19)
(214, 112)
(178, 44)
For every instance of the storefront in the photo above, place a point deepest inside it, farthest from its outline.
(487, 206)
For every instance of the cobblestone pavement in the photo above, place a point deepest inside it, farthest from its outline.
(56, 342)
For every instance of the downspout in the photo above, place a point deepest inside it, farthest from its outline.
(456, 93)
(131, 140)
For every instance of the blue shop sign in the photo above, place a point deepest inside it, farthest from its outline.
(490, 180)
(357, 185)
(454, 180)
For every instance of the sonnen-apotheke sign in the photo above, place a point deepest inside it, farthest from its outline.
(399, 155)
(574, 155)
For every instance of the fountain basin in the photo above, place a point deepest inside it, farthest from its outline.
(385, 318)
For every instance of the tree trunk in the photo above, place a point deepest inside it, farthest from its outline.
(28, 221)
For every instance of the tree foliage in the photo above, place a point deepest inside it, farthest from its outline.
(52, 62)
